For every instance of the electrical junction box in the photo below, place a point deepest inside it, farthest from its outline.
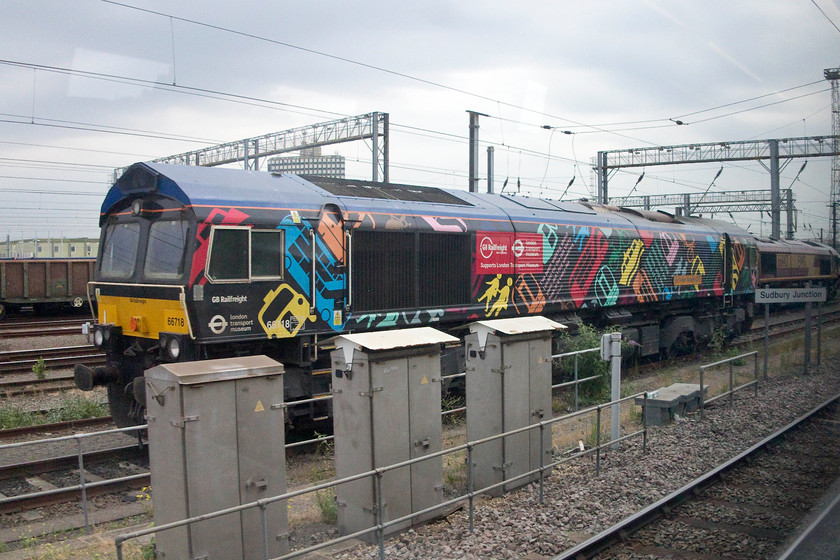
(509, 387)
(216, 440)
(386, 407)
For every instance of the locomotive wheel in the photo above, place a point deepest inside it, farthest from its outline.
(683, 345)
(121, 404)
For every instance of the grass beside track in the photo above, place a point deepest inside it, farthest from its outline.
(74, 407)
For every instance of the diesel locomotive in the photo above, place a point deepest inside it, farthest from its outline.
(197, 263)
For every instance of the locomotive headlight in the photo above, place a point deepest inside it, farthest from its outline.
(98, 338)
(136, 208)
(173, 348)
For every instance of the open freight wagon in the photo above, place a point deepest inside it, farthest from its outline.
(45, 284)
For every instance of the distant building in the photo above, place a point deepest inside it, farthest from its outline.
(60, 248)
(309, 162)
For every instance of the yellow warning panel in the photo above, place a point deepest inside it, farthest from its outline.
(259, 407)
(424, 380)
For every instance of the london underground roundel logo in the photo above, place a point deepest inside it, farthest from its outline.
(518, 248)
(217, 324)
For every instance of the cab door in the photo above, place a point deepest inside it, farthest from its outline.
(329, 267)
(728, 265)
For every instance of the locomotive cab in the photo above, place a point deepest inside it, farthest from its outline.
(138, 290)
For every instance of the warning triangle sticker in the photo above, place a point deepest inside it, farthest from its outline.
(259, 407)
(424, 381)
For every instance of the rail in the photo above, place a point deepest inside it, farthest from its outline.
(732, 389)
(83, 484)
(663, 507)
(380, 525)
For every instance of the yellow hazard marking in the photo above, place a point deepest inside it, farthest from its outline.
(259, 407)
(424, 381)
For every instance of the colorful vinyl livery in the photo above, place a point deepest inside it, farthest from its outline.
(200, 263)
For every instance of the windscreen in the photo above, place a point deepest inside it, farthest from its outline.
(119, 252)
(165, 253)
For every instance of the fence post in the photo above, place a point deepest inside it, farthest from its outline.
(755, 361)
(380, 532)
(644, 423)
(702, 391)
(731, 386)
(264, 531)
(576, 382)
(470, 487)
(598, 442)
(766, 337)
(83, 483)
(615, 363)
(819, 333)
(542, 461)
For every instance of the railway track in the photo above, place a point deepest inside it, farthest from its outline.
(18, 378)
(21, 328)
(55, 480)
(55, 428)
(746, 507)
(22, 361)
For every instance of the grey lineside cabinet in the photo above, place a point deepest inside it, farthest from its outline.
(508, 387)
(216, 440)
(386, 407)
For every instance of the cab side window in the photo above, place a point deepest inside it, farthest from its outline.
(267, 253)
(229, 254)
(241, 254)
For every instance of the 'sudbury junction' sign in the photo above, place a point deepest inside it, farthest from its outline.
(790, 295)
(807, 295)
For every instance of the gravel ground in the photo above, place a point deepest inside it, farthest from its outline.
(579, 505)
(48, 400)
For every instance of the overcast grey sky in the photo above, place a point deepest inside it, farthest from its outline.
(612, 72)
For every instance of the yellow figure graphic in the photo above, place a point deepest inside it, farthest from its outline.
(630, 263)
(491, 292)
(698, 269)
(502, 302)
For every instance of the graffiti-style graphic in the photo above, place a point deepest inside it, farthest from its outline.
(550, 240)
(643, 288)
(397, 222)
(602, 267)
(394, 320)
(587, 266)
(284, 312)
(452, 225)
(556, 269)
(527, 295)
(631, 261)
(670, 246)
(606, 287)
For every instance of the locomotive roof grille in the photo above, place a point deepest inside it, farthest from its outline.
(387, 191)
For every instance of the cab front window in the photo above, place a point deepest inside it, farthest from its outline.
(119, 250)
(166, 247)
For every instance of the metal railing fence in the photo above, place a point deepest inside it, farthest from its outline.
(83, 483)
(381, 525)
(576, 381)
(731, 392)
